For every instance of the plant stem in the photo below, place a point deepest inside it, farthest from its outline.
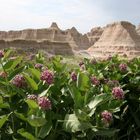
(36, 131)
(12, 119)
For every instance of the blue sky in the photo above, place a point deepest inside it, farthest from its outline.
(83, 14)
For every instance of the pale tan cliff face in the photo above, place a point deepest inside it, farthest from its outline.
(94, 35)
(52, 34)
(117, 38)
(77, 39)
(57, 48)
(138, 30)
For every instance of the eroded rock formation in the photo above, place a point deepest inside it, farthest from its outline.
(54, 35)
(94, 34)
(58, 48)
(78, 40)
(138, 30)
(117, 38)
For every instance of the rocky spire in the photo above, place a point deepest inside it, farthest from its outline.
(54, 26)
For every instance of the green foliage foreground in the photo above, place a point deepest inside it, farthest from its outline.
(42, 99)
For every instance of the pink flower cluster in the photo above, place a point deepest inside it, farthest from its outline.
(95, 81)
(123, 67)
(1, 53)
(74, 76)
(19, 81)
(38, 66)
(32, 97)
(118, 93)
(44, 103)
(106, 117)
(47, 76)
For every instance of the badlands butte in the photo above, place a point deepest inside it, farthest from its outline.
(121, 38)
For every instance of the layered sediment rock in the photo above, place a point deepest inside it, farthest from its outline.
(94, 34)
(70, 38)
(117, 38)
(58, 48)
(78, 40)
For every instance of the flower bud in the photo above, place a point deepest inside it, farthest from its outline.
(1, 53)
(106, 117)
(47, 76)
(123, 67)
(19, 81)
(32, 97)
(118, 93)
(38, 66)
(95, 81)
(74, 76)
(44, 103)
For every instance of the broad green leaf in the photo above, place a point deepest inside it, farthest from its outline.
(45, 92)
(83, 81)
(6, 55)
(36, 121)
(39, 58)
(77, 97)
(82, 115)
(11, 64)
(35, 73)
(5, 105)
(15, 72)
(95, 101)
(1, 100)
(31, 82)
(72, 124)
(3, 119)
(20, 116)
(45, 130)
(106, 132)
(26, 134)
(32, 104)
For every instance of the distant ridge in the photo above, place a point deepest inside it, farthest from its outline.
(121, 38)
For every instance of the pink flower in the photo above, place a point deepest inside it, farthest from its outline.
(106, 117)
(1, 53)
(44, 103)
(47, 76)
(118, 93)
(32, 97)
(123, 67)
(74, 76)
(95, 81)
(38, 66)
(19, 81)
